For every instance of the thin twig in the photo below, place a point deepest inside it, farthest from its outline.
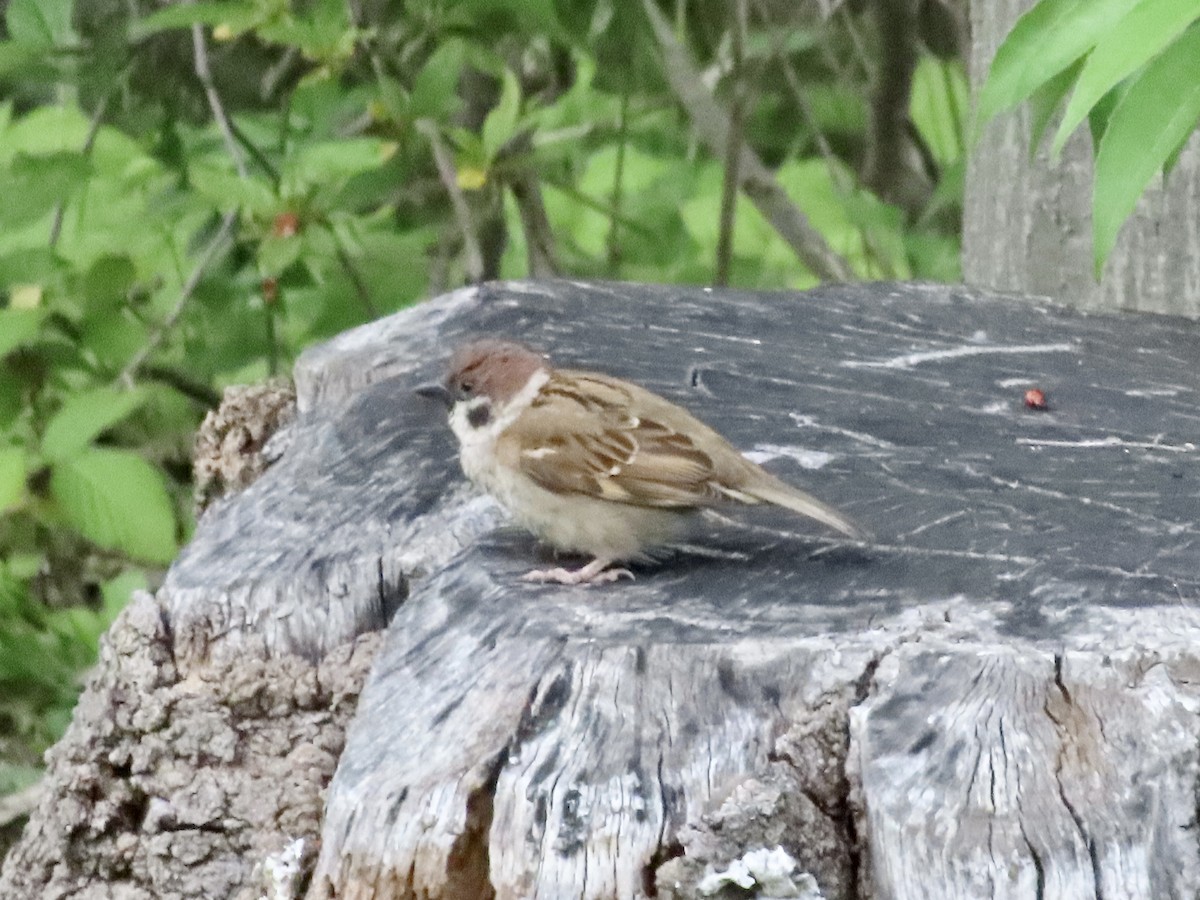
(190, 387)
(356, 279)
(542, 259)
(571, 191)
(733, 146)
(613, 241)
(215, 248)
(759, 184)
(255, 154)
(272, 341)
(842, 183)
(221, 239)
(276, 73)
(204, 73)
(865, 57)
(88, 142)
(462, 212)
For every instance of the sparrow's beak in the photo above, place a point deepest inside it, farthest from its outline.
(437, 392)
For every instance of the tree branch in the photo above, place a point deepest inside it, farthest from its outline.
(885, 168)
(217, 245)
(733, 145)
(204, 74)
(711, 125)
(462, 212)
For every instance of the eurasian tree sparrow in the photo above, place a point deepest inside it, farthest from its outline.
(593, 464)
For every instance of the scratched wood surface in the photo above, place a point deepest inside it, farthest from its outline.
(995, 697)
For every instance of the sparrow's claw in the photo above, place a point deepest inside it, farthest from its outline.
(595, 572)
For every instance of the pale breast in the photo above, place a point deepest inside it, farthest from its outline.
(574, 522)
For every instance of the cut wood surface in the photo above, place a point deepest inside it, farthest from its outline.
(995, 697)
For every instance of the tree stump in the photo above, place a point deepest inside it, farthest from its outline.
(995, 697)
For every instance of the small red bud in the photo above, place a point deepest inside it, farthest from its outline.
(270, 290)
(1035, 398)
(286, 225)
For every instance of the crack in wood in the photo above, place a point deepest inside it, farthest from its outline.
(664, 851)
(1089, 842)
(1038, 869)
(467, 864)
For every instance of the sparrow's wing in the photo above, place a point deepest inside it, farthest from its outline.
(605, 438)
(590, 434)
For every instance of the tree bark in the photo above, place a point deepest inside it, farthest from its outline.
(1027, 222)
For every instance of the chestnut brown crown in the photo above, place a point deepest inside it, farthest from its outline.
(491, 368)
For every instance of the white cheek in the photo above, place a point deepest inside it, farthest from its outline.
(460, 422)
(476, 450)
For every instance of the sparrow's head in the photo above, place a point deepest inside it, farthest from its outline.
(485, 376)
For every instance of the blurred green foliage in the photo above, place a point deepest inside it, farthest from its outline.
(193, 192)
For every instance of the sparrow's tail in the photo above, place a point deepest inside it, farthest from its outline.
(788, 497)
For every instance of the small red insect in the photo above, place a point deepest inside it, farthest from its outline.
(1035, 398)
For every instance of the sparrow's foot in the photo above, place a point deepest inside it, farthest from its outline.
(595, 572)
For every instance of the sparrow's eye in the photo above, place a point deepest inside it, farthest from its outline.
(466, 389)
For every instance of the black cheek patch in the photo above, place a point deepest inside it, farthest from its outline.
(478, 416)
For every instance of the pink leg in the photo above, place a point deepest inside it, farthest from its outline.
(595, 572)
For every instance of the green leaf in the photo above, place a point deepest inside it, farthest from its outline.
(238, 16)
(116, 593)
(36, 265)
(12, 476)
(1143, 133)
(117, 500)
(501, 123)
(1100, 113)
(26, 61)
(12, 397)
(226, 190)
(1044, 41)
(327, 161)
(435, 89)
(15, 777)
(1045, 101)
(276, 254)
(41, 23)
(18, 327)
(112, 338)
(535, 17)
(1173, 156)
(938, 106)
(1139, 37)
(34, 185)
(108, 280)
(84, 416)
(324, 34)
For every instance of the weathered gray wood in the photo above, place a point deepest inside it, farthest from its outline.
(892, 714)
(560, 742)
(1027, 222)
(1014, 771)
